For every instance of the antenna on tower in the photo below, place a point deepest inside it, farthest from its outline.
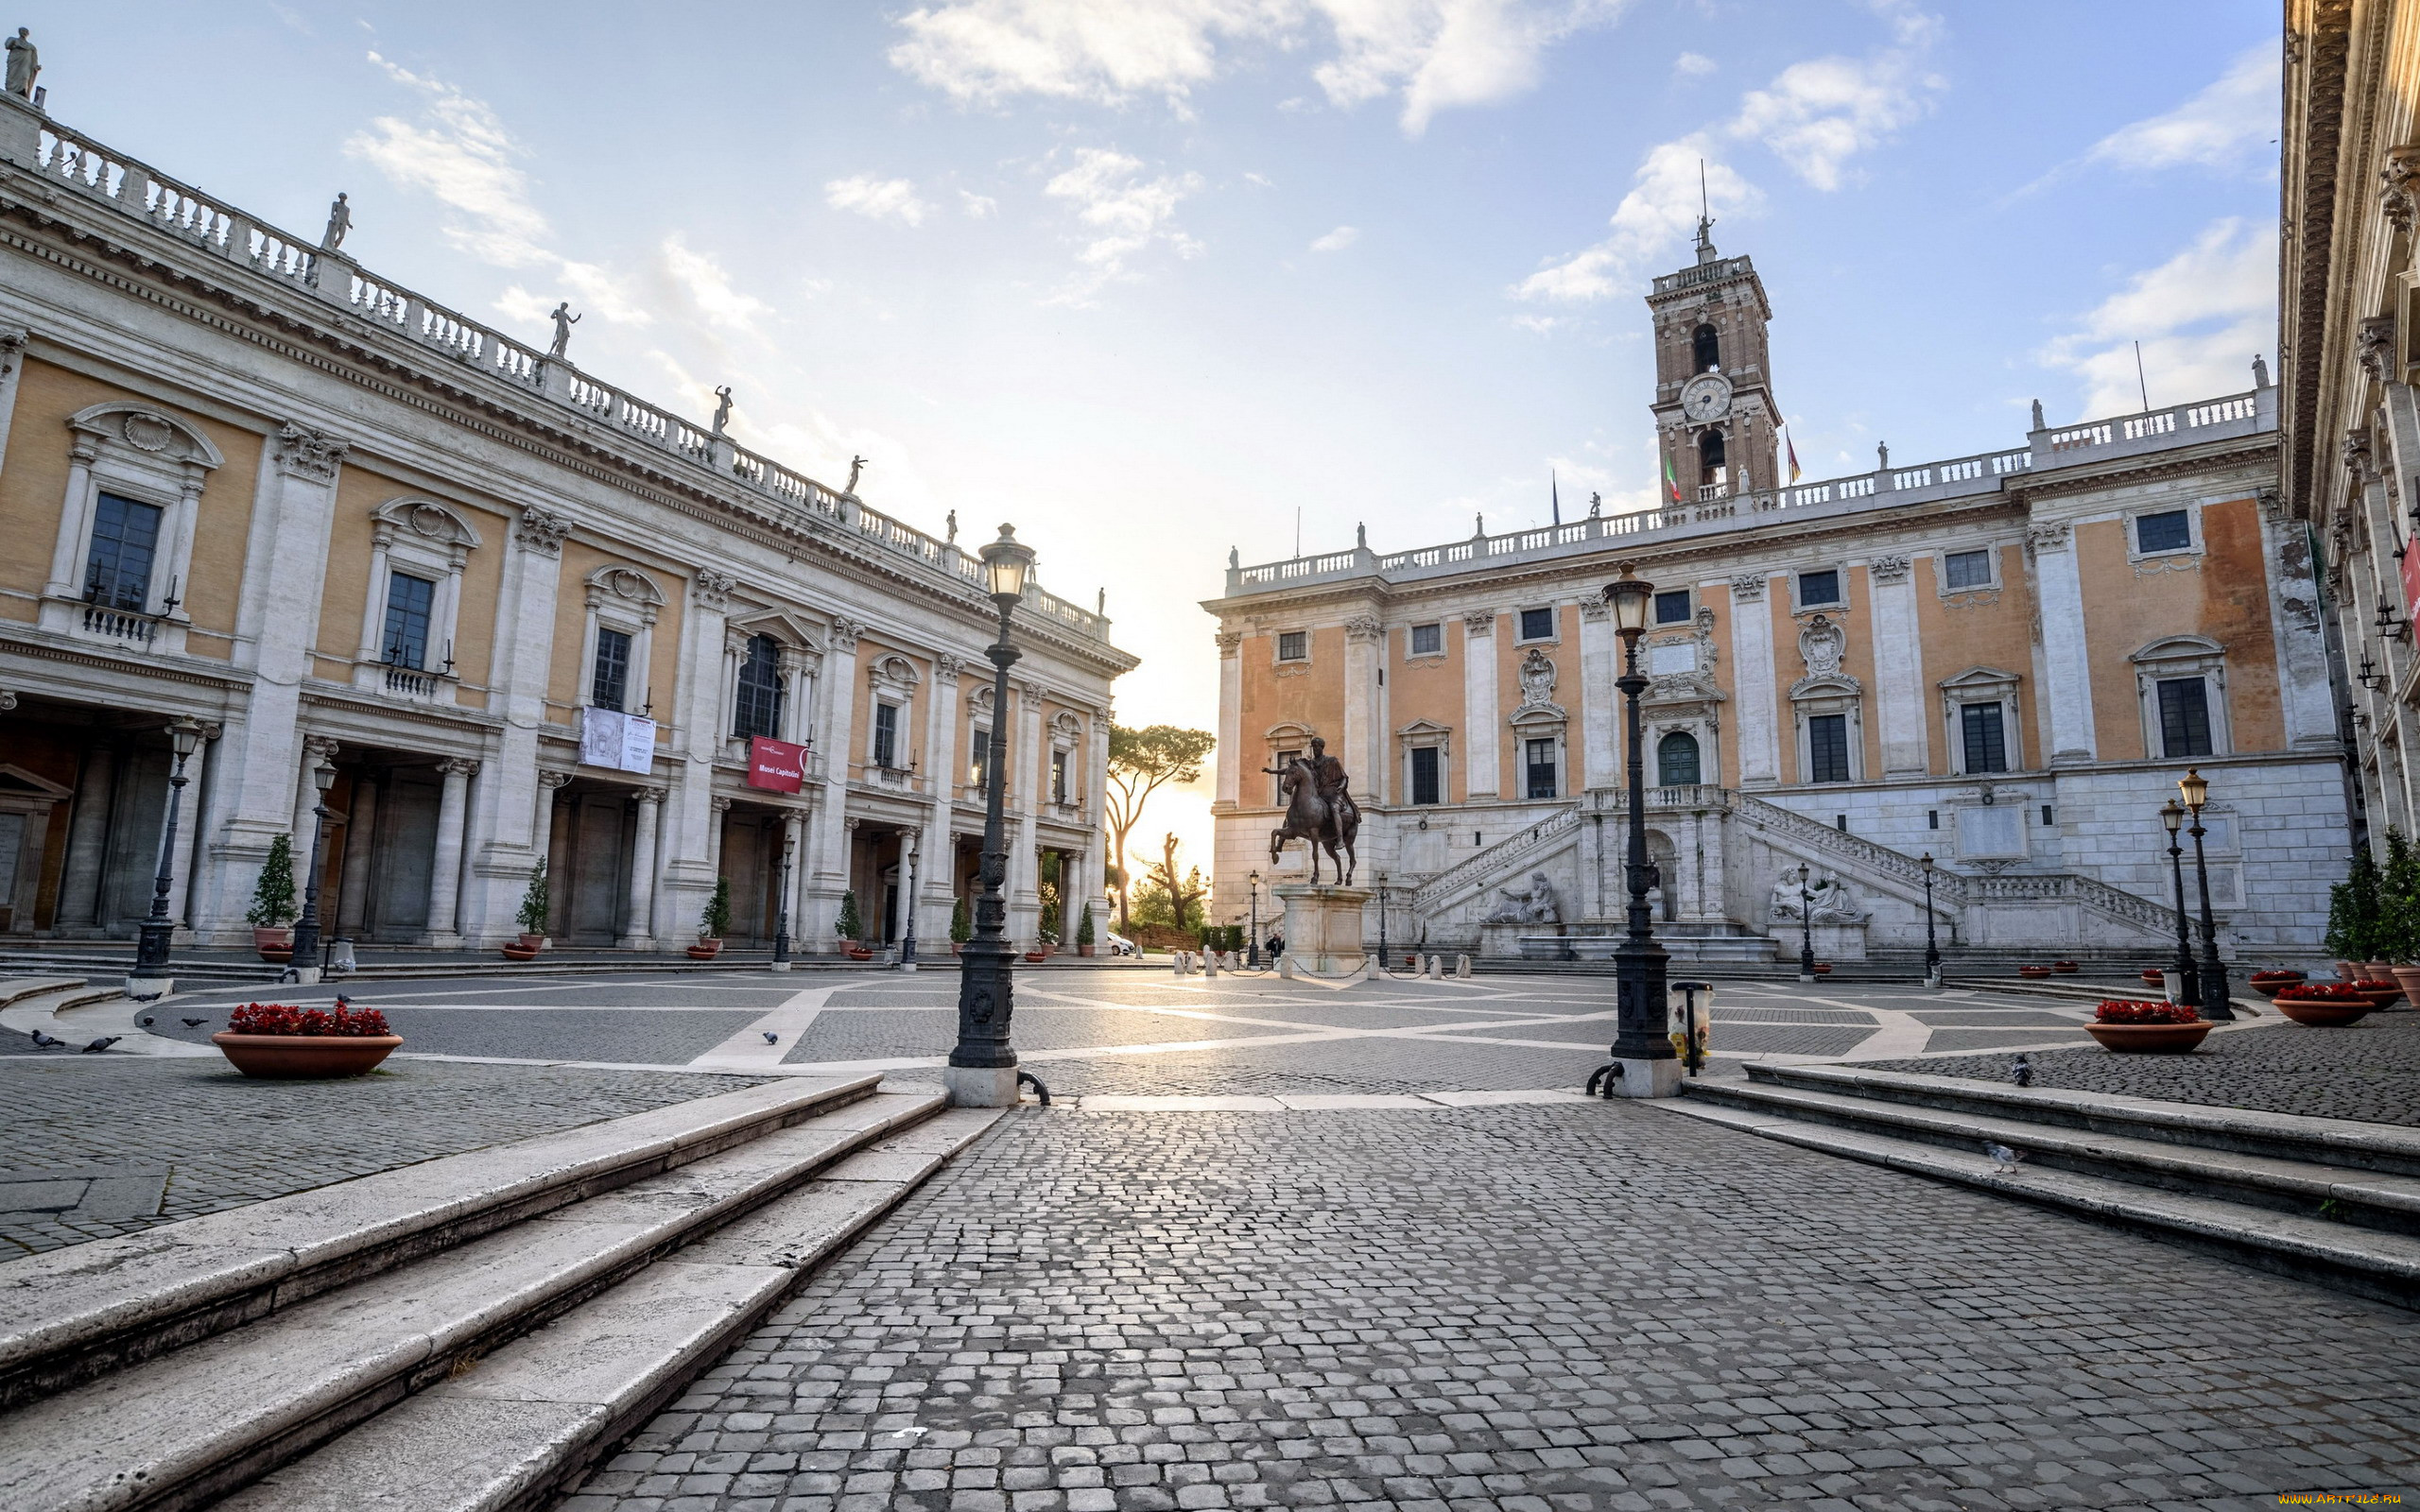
(1705, 218)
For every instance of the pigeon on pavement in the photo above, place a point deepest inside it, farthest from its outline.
(194, 1023)
(2003, 1157)
(2022, 1073)
(45, 1042)
(99, 1045)
(772, 1038)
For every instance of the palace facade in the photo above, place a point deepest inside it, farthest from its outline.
(523, 614)
(2003, 661)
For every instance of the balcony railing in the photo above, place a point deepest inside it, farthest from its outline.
(123, 625)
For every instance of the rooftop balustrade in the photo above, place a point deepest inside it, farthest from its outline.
(133, 188)
(1716, 510)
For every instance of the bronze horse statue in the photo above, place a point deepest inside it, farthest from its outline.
(1321, 823)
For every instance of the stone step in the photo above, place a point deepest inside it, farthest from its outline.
(2382, 1149)
(2365, 1199)
(193, 1424)
(2383, 1267)
(35, 1012)
(525, 1423)
(16, 990)
(69, 1316)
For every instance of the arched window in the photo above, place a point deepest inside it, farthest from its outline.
(1705, 350)
(1676, 760)
(1710, 458)
(758, 710)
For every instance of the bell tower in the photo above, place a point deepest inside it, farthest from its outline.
(1715, 421)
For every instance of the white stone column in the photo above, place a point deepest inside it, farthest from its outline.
(511, 821)
(1898, 667)
(382, 539)
(825, 873)
(277, 616)
(13, 365)
(445, 866)
(687, 874)
(1752, 676)
(792, 860)
(65, 573)
(1025, 794)
(1363, 747)
(941, 783)
(2066, 693)
(1601, 663)
(360, 829)
(638, 932)
(181, 847)
(718, 810)
(318, 751)
(1483, 734)
(1230, 758)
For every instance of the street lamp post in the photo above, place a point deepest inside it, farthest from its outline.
(1644, 1064)
(1933, 947)
(152, 946)
(2213, 999)
(1252, 930)
(2188, 981)
(1378, 875)
(907, 857)
(982, 1071)
(306, 929)
(782, 902)
(1805, 927)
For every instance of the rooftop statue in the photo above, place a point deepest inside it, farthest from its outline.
(563, 320)
(856, 465)
(722, 407)
(24, 62)
(339, 221)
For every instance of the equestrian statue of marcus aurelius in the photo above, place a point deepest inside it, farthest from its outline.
(1320, 810)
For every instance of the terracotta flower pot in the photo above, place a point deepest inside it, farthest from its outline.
(2408, 977)
(1822, 967)
(533, 943)
(2032, 970)
(2383, 997)
(706, 950)
(2348, 970)
(276, 946)
(2065, 965)
(301, 1056)
(2322, 1015)
(2149, 1039)
(858, 953)
(1035, 955)
(2154, 978)
(2375, 971)
(520, 952)
(1086, 950)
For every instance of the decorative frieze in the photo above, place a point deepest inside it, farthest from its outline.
(845, 633)
(1748, 588)
(1480, 622)
(303, 452)
(542, 532)
(1364, 628)
(712, 589)
(1888, 569)
(2048, 535)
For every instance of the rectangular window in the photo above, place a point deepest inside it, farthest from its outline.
(1542, 773)
(2184, 716)
(409, 599)
(1428, 639)
(1537, 625)
(886, 735)
(1819, 587)
(1827, 747)
(609, 685)
(1426, 788)
(978, 760)
(1284, 758)
(1294, 646)
(2047, 820)
(2170, 530)
(1058, 776)
(1967, 569)
(1980, 732)
(1672, 607)
(117, 570)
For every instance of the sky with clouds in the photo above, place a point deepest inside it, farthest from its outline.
(1156, 278)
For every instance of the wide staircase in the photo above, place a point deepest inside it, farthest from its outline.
(466, 1332)
(2323, 1200)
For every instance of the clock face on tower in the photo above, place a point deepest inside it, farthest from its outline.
(1706, 397)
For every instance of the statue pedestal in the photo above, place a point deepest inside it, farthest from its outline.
(1323, 927)
(1840, 942)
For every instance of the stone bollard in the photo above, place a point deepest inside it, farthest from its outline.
(1463, 967)
(1210, 964)
(1285, 966)
(1429, 969)
(1176, 962)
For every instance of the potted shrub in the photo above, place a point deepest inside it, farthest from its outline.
(272, 907)
(961, 928)
(2378, 991)
(1084, 932)
(2268, 981)
(713, 923)
(849, 926)
(2325, 1005)
(2132, 1026)
(278, 1042)
(2154, 977)
(532, 917)
(2353, 908)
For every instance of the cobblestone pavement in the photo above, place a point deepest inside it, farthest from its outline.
(1519, 1308)
(211, 1138)
(2369, 1071)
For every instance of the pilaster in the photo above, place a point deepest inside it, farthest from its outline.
(2067, 666)
(510, 827)
(1483, 740)
(1752, 663)
(1898, 667)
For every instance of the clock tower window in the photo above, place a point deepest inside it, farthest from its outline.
(1705, 350)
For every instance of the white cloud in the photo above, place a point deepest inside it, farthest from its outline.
(1262, 179)
(1814, 115)
(2213, 128)
(1435, 54)
(461, 154)
(1337, 240)
(2201, 316)
(708, 288)
(877, 199)
(1124, 211)
(1693, 65)
(977, 207)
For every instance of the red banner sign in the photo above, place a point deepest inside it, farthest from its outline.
(776, 764)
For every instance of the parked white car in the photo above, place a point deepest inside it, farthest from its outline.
(1118, 944)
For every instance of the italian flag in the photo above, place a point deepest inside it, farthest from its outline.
(1793, 455)
(1671, 482)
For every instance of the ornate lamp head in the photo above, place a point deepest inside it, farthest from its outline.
(1630, 594)
(1007, 562)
